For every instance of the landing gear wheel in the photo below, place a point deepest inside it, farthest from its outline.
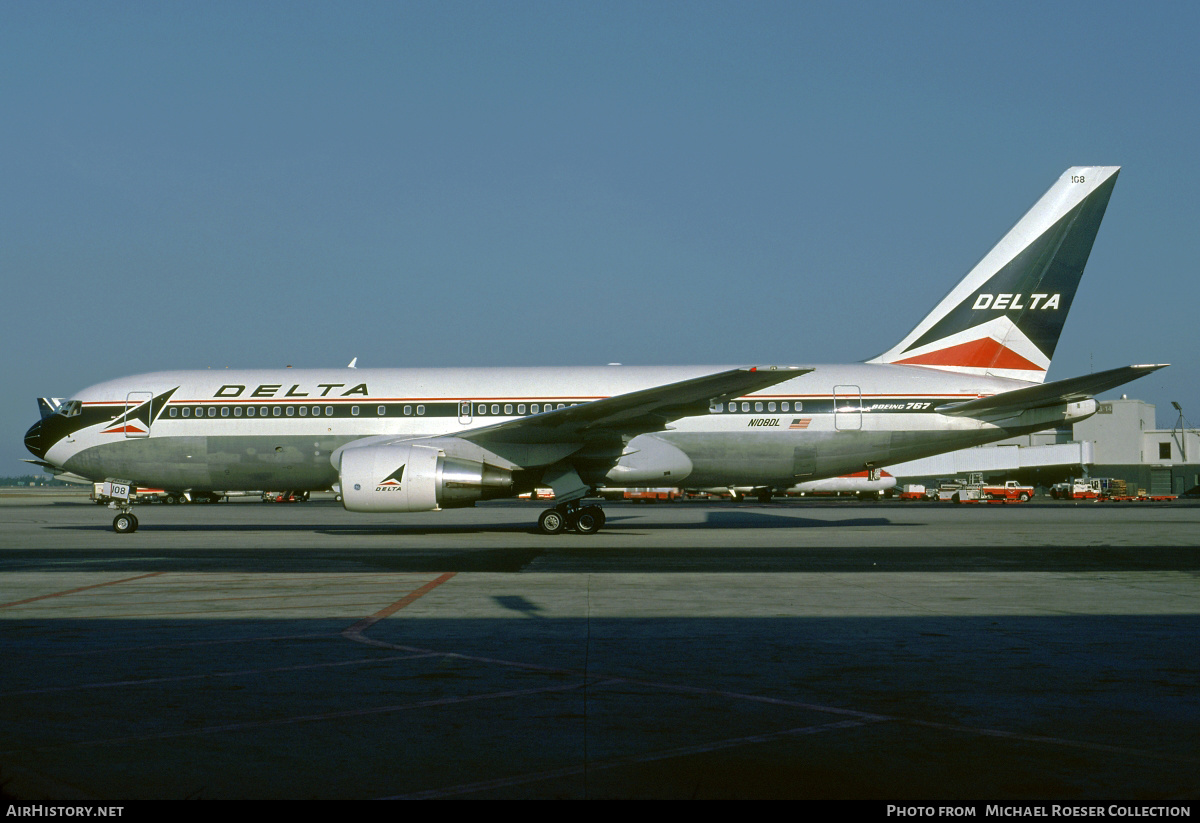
(765, 495)
(599, 513)
(125, 523)
(589, 519)
(552, 521)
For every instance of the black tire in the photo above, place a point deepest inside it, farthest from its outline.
(764, 496)
(599, 513)
(125, 524)
(552, 521)
(588, 520)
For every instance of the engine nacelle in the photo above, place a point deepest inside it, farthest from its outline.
(409, 477)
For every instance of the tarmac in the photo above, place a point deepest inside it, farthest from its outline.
(796, 649)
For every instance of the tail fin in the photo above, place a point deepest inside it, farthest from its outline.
(1005, 317)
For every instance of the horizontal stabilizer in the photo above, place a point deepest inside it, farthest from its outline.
(1071, 390)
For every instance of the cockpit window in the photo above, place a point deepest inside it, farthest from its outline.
(71, 408)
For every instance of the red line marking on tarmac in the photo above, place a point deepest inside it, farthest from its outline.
(355, 631)
(80, 589)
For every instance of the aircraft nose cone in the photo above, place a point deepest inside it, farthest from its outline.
(33, 441)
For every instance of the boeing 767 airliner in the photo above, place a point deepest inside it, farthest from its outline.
(405, 440)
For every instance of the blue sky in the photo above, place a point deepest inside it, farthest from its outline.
(211, 185)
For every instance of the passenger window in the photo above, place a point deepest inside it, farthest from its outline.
(329, 411)
(758, 407)
(277, 411)
(785, 406)
(420, 410)
(354, 411)
(304, 411)
(407, 411)
(535, 408)
(187, 412)
(495, 408)
(508, 408)
(745, 407)
(291, 411)
(770, 407)
(381, 411)
(250, 411)
(224, 411)
(237, 411)
(174, 412)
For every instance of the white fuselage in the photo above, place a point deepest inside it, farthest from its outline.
(278, 429)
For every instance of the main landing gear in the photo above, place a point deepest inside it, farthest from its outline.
(573, 516)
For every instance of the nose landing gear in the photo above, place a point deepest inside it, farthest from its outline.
(581, 519)
(125, 523)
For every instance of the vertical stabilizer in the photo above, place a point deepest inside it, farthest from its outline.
(1005, 317)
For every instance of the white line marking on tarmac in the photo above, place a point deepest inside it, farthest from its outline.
(628, 760)
(307, 718)
(182, 678)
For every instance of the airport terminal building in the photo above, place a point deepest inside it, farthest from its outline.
(1120, 441)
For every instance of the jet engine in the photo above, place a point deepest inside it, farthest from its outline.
(410, 477)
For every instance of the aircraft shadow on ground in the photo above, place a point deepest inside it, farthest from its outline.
(987, 706)
(576, 554)
(734, 519)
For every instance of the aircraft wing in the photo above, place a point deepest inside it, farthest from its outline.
(636, 412)
(1071, 390)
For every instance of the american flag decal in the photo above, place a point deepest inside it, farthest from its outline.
(800, 423)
